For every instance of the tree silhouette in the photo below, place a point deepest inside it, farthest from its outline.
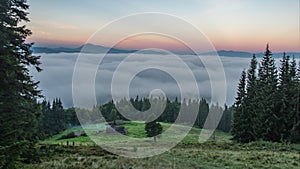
(153, 129)
(18, 92)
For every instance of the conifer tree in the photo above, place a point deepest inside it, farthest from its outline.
(251, 101)
(240, 129)
(58, 116)
(287, 96)
(18, 92)
(266, 93)
(225, 122)
(153, 129)
(295, 132)
(203, 112)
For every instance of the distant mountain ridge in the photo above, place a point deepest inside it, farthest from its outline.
(230, 53)
(87, 48)
(91, 48)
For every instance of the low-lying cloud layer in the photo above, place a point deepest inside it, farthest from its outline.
(56, 77)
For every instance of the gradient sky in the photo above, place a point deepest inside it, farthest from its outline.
(244, 25)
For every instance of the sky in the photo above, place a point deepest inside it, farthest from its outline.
(228, 24)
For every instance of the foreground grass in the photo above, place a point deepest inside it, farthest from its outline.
(218, 153)
(184, 155)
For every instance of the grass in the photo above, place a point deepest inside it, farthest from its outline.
(135, 130)
(218, 153)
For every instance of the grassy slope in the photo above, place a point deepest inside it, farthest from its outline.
(135, 129)
(221, 153)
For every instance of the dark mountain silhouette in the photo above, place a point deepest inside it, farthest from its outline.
(91, 48)
(230, 53)
(87, 48)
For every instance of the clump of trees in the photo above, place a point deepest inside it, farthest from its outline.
(153, 129)
(267, 103)
(19, 109)
(55, 118)
(110, 113)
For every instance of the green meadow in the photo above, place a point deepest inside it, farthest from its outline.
(218, 152)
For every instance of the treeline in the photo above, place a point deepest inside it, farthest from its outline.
(171, 111)
(267, 103)
(54, 118)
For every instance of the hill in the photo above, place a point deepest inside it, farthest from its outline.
(135, 129)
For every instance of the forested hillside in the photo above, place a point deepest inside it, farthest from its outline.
(267, 103)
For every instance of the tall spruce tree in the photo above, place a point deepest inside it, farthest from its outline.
(18, 92)
(251, 100)
(287, 94)
(58, 116)
(266, 93)
(295, 132)
(225, 123)
(240, 130)
(203, 113)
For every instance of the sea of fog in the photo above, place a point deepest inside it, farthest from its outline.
(57, 75)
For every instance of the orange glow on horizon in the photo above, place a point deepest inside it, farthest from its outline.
(169, 44)
(220, 42)
(153, 41)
